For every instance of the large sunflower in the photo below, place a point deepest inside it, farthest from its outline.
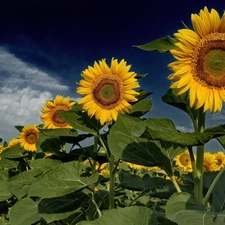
(28, 137)
(201, 61)
(107, 90)
(50, 114)
(183, 161)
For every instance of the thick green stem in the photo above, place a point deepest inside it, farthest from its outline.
(205, 200)
(112, 182)
(198, 181)
(172, 178)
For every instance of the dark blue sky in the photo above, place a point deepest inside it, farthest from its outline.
(63, 37)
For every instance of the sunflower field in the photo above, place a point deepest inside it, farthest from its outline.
(101, 160)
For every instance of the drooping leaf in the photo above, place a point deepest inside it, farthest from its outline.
(64, 179)
(134, 215)
(141, 108)
(184, 209)
(162, 44)
(180, 102)
(24, 212)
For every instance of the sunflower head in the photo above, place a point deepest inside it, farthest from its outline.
(50, 113)
(183, 161)
(2, 148)
(13, 142)
(210, 162)
(200, 65)
(28, 137)
(108, 90)
(220, 157)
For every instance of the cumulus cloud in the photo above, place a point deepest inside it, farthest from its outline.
(23, 92)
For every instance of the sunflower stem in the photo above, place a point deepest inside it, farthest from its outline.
(112, 181)
(198, 182)
(209, 192)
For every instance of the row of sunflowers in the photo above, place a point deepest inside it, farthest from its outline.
(102, 161)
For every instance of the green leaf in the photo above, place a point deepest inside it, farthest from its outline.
(141, 75)
(13, 152)
(143, 94)
(20, 183)
(180, 102)
(165, 130)
(24, 212)
(45, 164)
(80, 120)
(141, 108)
(57, 133)
(163, 44)
(5, 192)
(4, 175)
(131, 181)
(134, 215)
(8, 164)
(126, 142)
(64, 179)
(52, 209)
(184, 209)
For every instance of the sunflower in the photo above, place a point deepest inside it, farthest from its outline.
(14, 142)
(210, 162)
(28, 137)
(107, 90)
(200, 68)
(220, 157)
(51, 117)
(183, 161)
(2, 148)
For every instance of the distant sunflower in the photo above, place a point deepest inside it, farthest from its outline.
(220, 157)
(200, 68)
(107, 90)
(2, 148)
(50, 114)
(14, 142)
(210, 162)
(28, 138)
(183, 161)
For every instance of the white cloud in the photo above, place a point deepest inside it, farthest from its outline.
(23, 92)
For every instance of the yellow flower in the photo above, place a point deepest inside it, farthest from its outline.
(183, 161)
(136, 166)
(220, 157)
(13, 142)
(28, 138)
(200, 68)
(210, 162)
(2, 148)
(107, 90)
(51, 117)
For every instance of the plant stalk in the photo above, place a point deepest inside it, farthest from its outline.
(112, 181)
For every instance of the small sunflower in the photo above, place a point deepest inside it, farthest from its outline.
(220, 157)
(14, 142)
(200, 68)
(28, 137)
(107, 90)
(210, 162)
(51, 117)
(183, 161)
(2, 148)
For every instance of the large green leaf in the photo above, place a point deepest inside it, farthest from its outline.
(57, 133)
(165, 130)
(80, 120)
(20, 183)
(24, 212)
(64, 179)
(8, 164)
(163, 44)
(5, 193)
(13, 152)
(184, 209)
(52, 209)
(180, 101)
(126, 142)
(134, 215)
(45, 164)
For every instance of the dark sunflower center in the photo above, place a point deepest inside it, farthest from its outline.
(31, 137)
(57, 119)
(208, 61)
(107, 92)
(184, 159)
